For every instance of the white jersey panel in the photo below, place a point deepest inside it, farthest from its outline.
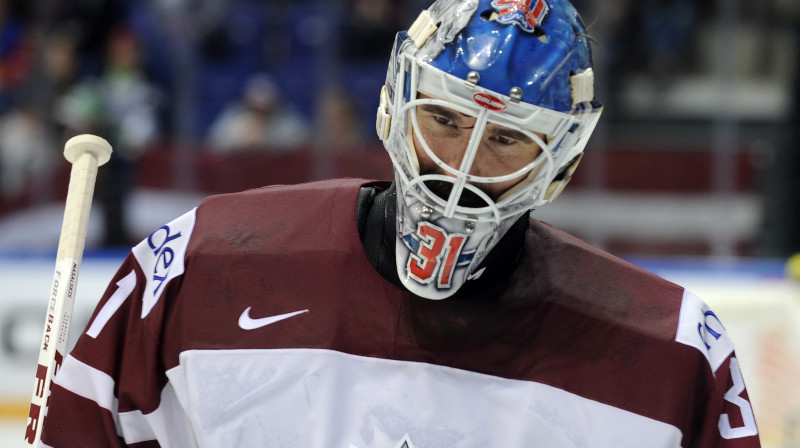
(323, 398)
(167, 424)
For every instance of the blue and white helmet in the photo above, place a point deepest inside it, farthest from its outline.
(523, 66)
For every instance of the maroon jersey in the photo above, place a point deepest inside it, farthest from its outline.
(257, 320)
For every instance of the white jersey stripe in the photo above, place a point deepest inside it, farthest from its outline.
(135, 427)
(167, 424)
(90, 383)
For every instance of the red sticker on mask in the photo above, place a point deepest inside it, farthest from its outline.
(489, 102)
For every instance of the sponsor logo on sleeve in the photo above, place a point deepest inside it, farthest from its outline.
(161, 256)
(701, 328)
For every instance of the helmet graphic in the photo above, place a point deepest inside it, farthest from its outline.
(486, 110)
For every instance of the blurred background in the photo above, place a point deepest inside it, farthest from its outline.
(693, 171)
(694, 154)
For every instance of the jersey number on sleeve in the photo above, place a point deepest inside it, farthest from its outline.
(124, 289)
(732, 396)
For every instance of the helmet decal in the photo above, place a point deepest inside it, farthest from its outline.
(526, 14)
(489, 101)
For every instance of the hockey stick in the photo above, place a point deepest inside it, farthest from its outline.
(85, 152)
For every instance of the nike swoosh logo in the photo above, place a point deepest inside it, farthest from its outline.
(248, 323)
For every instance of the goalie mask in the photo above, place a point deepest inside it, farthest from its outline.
(487, 107)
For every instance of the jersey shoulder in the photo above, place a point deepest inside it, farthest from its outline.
(617, 292)
(300, 213)
(573, 268)
(291, 195)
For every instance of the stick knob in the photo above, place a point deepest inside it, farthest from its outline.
(87, 144)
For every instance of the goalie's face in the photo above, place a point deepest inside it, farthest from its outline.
(447, 142)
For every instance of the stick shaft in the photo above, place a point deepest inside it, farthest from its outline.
(62, 292)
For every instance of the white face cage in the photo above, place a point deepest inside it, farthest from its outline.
(564, 142)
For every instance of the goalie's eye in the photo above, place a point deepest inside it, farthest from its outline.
(508, 137)
(503, 140)
(438, 116)
(446, 121)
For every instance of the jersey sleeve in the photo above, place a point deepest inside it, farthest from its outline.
(728, 421)
(727, 417)
(112, 389)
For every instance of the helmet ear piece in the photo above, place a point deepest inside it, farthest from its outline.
(582, 86)
(383, 120)
(562, 179)
(422, 28)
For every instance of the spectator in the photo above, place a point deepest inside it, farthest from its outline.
(123, 106)
(131, 100)
(339, 125)
(24, 150)
(60, 73)
(261, 120)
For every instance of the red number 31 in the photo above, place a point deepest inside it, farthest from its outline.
(436, 257)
